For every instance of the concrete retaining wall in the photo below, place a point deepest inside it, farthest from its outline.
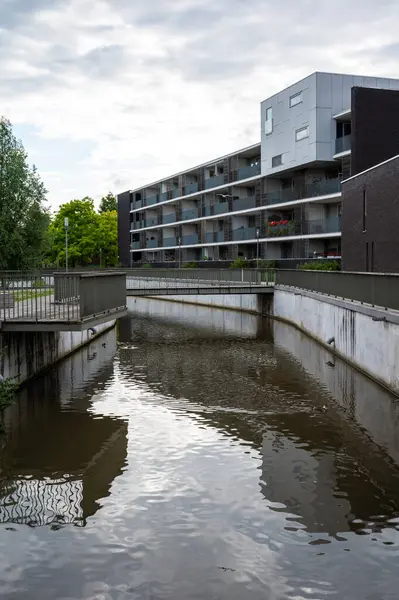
(24, 355)
(369, 344)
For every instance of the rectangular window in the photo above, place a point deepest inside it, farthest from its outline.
(302, 133)
(269, 121)
(277, 160)
(296, 99)
(364, 210)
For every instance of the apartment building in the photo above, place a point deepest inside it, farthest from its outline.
(279, 199)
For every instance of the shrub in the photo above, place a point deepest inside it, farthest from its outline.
(190, 265)
(267, 264)
(239, 263)
(322, 265)
(146, 266)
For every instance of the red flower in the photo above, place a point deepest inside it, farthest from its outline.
(285, 222)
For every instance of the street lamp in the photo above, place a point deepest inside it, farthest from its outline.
(257, 248)
(66, 225)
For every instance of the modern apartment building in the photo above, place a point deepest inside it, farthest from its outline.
(280, 199)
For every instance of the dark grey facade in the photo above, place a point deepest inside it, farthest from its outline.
(370, 219)
(124, 228)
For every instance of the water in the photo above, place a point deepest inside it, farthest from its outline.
(207, 455)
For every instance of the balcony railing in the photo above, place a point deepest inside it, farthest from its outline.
(135, 245)
(250, 171)
(244, 233)
(220, 208)
(214, 181)
(244, 203)
(176, 193)
(190, 239)
(190, 188)
(151, 200)
(189, 214)
(343, 144)
(169, 218)
(164, 196)
(286, 228)
(312, 190)
(152, 244)
(214, 236)
(169, 241)
(207, 211)
(150, 222)
(137, 204)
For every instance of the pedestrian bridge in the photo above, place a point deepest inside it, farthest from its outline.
(179, 282)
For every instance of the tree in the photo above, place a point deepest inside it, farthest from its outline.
(108, 203)
(82, 232)
(24, 218)
(108, 238)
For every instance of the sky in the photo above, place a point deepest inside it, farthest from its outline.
(108, 95)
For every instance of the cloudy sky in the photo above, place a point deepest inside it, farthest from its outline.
(111, 94)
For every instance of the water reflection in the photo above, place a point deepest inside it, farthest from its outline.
(59, 458)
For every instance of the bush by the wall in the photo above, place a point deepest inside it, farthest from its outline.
(323, 265)
(190, 265)
(239, 263)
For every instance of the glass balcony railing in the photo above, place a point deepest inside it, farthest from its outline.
(152, 244)
(286, 228)
(214, 236)
(190, 239)
(135, 245)
(190, 188)
(250, 171)
(207, 211)
(214, 181)
(163, 196)
(171, 241)
(137, 204)
(137, 225)
(244, 203)
(343, 144)
(151, 222)
(244, 233)
(169, 218)
(220, 208)
(189, 214)
(312, 190)
(151, 200)
(176, 193)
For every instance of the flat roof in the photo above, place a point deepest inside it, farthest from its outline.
(205, 164)
(384, 162)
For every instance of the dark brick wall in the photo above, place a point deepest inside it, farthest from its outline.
(377, 248)
(124, 228)
(375, 127)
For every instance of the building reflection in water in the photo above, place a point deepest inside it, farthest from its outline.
(59, 458)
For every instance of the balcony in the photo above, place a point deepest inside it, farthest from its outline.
(189, 214)
(286, 228)
(151, 200)
(220, 208)
(214, 236)
(169, 218)
(190, 188)
(343, 144)
(190, 239)
(135, 245)
(151, 222)
(312, 190)
(244, 233)
(152, 244)
(138, 204)
(164, 196)
(137, 225)
(207, 211)
(214, 181)
(176, 193)
(250, 171)
(169, 241)
(244, 203)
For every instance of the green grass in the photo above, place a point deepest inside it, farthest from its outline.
(22, 295)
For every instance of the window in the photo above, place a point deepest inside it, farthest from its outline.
(364, 210)
(296, 99)
(302, 133)
(277, 160)
(269, 121)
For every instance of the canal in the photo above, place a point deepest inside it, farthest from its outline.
(200, 454)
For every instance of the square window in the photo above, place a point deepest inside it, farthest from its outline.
(302, 133)
(296, 99)
(277, 160)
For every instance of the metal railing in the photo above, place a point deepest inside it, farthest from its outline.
(343, 144)
(244, 203)
(250, 171)
(311, 190)
(189, 214)
(203, 278)
(190, 188)
(34, 297)
(222, 207)
(286, 228)
(244, 233)
(190, 239)
(214, 181)
(377, 289)
(171, 218)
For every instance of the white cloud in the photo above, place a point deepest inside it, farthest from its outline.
(152, 88)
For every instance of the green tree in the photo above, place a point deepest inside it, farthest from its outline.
(108, 203)
(83, 224)
(24, 218)
(108, 238)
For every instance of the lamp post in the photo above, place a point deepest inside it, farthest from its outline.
(257, 248)
(66, 225)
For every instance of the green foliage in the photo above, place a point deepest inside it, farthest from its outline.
(267, 264)
(190, 265)
(146, 266)
(107, 238)
(108, 203)
(239, 263)
(8, 389)
(322, 265)
(23, 217)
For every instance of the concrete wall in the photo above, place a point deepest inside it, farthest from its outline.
(372, 346)
(24, 355)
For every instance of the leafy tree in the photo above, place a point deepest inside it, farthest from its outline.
(108, 203)
(24, 218)
(82, 232)
(108, 238)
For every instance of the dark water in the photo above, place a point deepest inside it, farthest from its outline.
(207, 455)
